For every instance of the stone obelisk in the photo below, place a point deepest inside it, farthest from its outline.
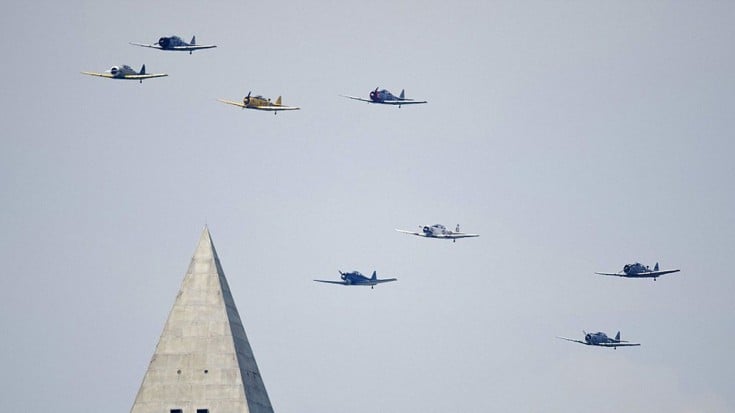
(203, 362)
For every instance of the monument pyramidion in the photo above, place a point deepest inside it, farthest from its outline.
(203, 362)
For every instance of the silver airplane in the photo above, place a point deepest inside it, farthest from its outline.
(356, 278)
(126, 72)
(176, 43)
(602, 340)
(638, 270)
(384, 97)
(439, 231)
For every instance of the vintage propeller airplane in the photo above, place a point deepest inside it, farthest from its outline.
(384, 97)
(356, 278)
(126, 72)
(602, 340)
(176, 43)
(638, 270)
(260, 103)
(439, 231)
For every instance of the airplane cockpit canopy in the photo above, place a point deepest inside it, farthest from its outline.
(167, 42)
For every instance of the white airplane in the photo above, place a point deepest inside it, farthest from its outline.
(638, 270)
(176, 43)
(126, 72)
(260, 103)
(602, 340)
(439, 231)
(384, 97)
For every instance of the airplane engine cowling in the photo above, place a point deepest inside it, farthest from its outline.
(164, 42)
(114, 70)
(626, 268)
(427, 230)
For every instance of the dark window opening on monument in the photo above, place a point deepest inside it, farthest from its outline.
(176, 411)
(202, 410)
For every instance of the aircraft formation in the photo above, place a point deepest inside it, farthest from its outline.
(381, 97)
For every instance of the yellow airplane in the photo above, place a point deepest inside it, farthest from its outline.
(126, 72)
(260, 103)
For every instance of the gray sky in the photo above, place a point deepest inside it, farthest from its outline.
(574, 136)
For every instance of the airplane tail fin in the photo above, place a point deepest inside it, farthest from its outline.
(142, 70)
(403, 94)
(278, 101)
(656, 267)
(193, 40)
(375, 276)
(617, 336)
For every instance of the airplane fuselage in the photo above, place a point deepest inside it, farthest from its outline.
(256, 101)
(636, 268)
(597, 339)
(119, 72)
(382, 95)
(434, 230)
(356, 278)
(169, 43)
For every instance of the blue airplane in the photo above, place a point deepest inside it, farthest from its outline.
(176, 43)
(602, 340)
(384, 97)
(356, 278)
(638, 270)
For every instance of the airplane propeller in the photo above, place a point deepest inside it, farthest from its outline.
(246, 101)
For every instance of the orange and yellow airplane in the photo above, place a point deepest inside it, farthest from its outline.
(260, 103)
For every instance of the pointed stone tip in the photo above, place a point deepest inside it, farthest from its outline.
(205, 247)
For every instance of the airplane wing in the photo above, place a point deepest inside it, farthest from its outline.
(570, 339)
(146, 76)
(230, 102)
(275, 108)
(657, 273)
(386, 280)
(402, 102)
(357, 98)
(180, 48)
(107, 75)
(194, 47)
(458, 235)
(152, 46)
(418, 234)
(331, 282)
(621, 344)
(617, 274)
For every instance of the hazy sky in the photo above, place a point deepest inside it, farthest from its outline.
(574, 136)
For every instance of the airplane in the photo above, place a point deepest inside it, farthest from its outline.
(602, 340)
(356, 278)
(639, 270)
(260, 103)
(384, 97)
(126, 72)
(439, 231)
(176, 43)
